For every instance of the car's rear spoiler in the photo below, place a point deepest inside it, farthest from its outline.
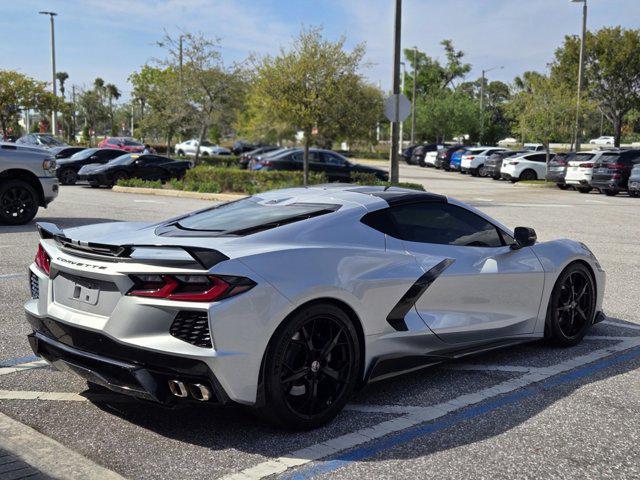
(205, 257)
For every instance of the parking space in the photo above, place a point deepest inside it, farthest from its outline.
(528, 411)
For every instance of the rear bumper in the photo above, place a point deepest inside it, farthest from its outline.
(118, 367)
(557, 177)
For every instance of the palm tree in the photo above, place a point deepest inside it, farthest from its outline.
(112, 93)
(62, 77)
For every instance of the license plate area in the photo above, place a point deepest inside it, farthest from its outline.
(86, 294)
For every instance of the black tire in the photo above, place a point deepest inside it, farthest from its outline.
(94, 185)
(482, 171)
(311, 368)
(18, 202)
(562, 186)
(204, 154)
(584, 189)
(633, 193)
(529, 175)
(610, 193)
(496, 177)
(181, 153)
(118, 176)
(572, 306)
(68, 176)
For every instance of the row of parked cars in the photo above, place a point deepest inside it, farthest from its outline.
(609, 170)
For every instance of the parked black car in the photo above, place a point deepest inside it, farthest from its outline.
(246, 157)
(417, 158)
(493, 164)
(67, 170)
(611, 173)
(443, 159)
(242, 146)
(634, 181)
(407, 152)
(133, 165)
(65, 152)
(336, 167)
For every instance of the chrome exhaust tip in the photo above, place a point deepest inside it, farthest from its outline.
(200, 392)
(178, 388)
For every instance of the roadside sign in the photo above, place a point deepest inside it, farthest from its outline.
(397, 108)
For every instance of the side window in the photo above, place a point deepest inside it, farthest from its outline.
(439, 223)
(332, 159)
(540, 157)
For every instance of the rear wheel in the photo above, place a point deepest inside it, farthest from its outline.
(482, 171)
(609, 192)
(584, 189)
(181, 153)
(562, 186)
(311, 368)
(571, 306)
(528, 175)
(18, 202)
(634, 193)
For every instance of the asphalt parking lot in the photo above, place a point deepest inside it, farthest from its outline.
(530, 411)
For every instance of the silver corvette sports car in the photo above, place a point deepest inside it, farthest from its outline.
(289, 300)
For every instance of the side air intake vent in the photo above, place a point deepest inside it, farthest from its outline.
(192, 327)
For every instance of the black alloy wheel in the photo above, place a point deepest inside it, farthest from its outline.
(311, 369)
(18, 202)
(572, 306)
(68, 176)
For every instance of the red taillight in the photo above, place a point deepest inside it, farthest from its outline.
(586, 165)
(615, 166)
(513, 163)
(43, 260)
(470, 157)
(266, 164)
(189, 288)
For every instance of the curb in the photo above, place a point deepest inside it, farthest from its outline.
(217, 197)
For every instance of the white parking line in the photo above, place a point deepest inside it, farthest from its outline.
(415, 415)
(45, 454)
(23, 366)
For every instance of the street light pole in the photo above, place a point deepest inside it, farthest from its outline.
(482, 80)
(53, 67)
(576, 137)
(404, 74)
(393, 160)
(413, 95)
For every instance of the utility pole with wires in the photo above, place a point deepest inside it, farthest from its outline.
(53, 67)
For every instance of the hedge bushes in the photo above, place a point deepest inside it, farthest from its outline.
(207, 179)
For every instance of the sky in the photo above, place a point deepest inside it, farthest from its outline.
(112, 38)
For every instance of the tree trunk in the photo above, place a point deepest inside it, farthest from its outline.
(203, 130)
(617, 126)
(305, 158)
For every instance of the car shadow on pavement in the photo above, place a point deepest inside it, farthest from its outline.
(62, 222)
(221, 428)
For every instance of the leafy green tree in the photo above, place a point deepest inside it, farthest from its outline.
(309, 86)
(449, 114)
(112, 94)
(91, 109)
(612, 71)
(19, 92)
(543, 112)
(213, 91)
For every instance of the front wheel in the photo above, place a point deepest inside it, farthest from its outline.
(633, 193)
(610, 193)
(584, 189)
(18, 202)
(571, 307)
(68, 176)
(311, 368)
(562, 186)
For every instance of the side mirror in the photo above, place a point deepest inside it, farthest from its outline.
(93, 157)
(524, 237)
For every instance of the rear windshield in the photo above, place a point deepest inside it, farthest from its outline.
(251, 215)
(579, 157)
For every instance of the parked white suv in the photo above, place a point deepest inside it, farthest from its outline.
(580, 168)
(207, 148)
(473, 160)
(528, 166)
(27, 182)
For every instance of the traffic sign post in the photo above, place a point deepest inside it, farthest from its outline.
(397, 108)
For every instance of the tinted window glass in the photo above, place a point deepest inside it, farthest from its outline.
(444, 224)
(122, 160)
(333, 159)
(250, 213)
(81, 155)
